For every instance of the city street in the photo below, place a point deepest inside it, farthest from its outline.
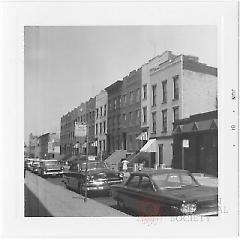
(34, 206)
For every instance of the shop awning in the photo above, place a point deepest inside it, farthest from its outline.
(142, 136)
(150, 146)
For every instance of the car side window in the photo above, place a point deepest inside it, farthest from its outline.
(145, 184)
(133, 182)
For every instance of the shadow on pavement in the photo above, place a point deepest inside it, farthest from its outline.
(33, 207)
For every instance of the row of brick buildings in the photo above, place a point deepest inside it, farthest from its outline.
(45, 146)
(138, 112)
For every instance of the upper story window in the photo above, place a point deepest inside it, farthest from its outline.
(154, 126)
(120, 101)
(130, 115)
(96, 129)
(145, 91)
(138, 97)
(115, 103)
(164, 91)
(131, 97)
(124, 117)
(101, 111)
(100, 128)
(154, 94)
(144, 114)
(97, 113)
(176, 87)
(164, 121)
(125, 99)
(175, 114)
(105, 110)
(104, 127)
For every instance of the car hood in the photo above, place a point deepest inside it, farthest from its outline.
(200, 193)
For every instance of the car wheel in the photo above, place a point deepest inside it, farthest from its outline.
(120, 204)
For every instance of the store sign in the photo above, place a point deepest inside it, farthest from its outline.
(185, 143)
(80, 130)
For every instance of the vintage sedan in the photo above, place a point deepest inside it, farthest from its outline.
(50, 168)
(98, 178)
(165, 192)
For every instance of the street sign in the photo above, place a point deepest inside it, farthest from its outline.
(80, 130)
(185, 143)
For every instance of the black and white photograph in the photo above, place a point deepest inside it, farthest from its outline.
(122, 122)
(123, 119)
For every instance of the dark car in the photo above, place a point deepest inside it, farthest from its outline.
(35, 166)
(50, 168)
(99, 177)
(165, 192)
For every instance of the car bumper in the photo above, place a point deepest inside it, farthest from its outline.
(100, 187)
(53, 173)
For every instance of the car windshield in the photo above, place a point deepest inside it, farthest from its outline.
(174, 180)
(94, 165)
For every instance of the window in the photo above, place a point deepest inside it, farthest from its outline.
(145, 184)
(90, 115)
(124, 117)
(145, 91)
(164, 121)
(176, 87)
(124, 99)
(138, 113)
(164, 91)
(138, 95)
(154, 122)
(100, 128)
(154, 88)
(115, 104)
(133, 181)
(96, 113)
(175, 114)
(104, 127)
(131, 97)
(105, 110)
(144, 114)
(120, 101)
(101, 112)
(130, 115)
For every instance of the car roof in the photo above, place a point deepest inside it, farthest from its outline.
(150, 172)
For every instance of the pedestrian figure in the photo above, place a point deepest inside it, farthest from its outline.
(125, 163)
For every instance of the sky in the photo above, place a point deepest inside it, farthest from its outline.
(65, 66)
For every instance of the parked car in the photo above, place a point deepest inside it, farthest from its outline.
(165, 192)
(35, 166)
(99, 177)
(50, 168)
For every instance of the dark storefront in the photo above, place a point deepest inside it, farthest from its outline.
(200, 151)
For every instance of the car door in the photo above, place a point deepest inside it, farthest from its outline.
(147, 203)
(131, 192)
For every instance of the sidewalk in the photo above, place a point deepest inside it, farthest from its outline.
(43, 198)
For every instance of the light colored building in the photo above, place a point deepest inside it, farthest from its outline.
(101, 122)
(179, 86)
